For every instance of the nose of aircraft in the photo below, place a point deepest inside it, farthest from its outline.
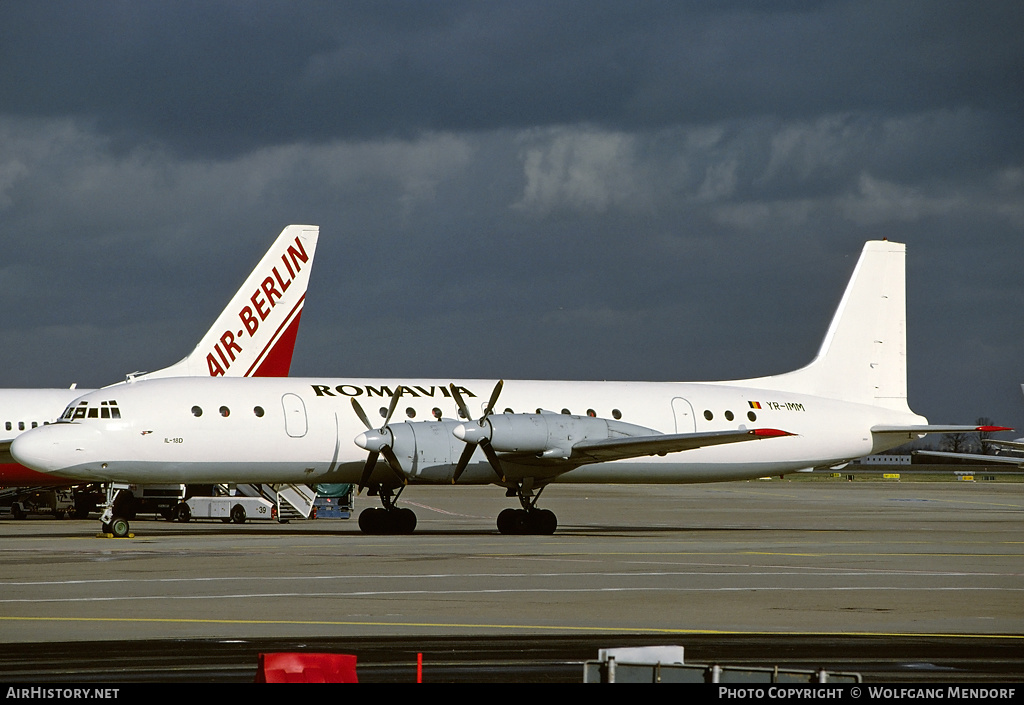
(55, 447)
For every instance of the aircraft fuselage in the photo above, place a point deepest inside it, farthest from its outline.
(302, 430)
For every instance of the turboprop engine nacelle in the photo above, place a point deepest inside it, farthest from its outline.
(549, 435)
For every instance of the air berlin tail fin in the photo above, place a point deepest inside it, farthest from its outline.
(255, 335)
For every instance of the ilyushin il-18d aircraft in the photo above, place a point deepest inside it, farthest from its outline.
(850, 401)
(254, 336)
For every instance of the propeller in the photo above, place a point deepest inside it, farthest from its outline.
(474, 433)
(378, 441)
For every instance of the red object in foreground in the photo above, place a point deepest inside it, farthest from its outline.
(306, 668)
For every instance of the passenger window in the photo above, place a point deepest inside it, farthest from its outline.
(197, 411)
(258, 411)
(752, 416)
(616, 414)
(729, 416)
(436, 412)
(225, 412)
(708, 415)
(410, 412)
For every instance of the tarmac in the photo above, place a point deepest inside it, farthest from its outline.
(770, 564)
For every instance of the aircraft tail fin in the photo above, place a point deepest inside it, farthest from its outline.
(863, 357)
(255, 335)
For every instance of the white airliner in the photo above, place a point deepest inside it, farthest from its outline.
(850, 401)
(253, 337)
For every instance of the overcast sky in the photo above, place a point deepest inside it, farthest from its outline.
(567, 190)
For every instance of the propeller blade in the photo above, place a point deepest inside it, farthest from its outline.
(396, 467)
(473, 436)
(463, 409)
(492, 458)
(361, 414)
(489, 409)
(377, 443)
(467, 453)
(364, 479)
(393, 405)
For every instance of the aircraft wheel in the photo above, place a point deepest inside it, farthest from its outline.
(507, 521)
(238, 514)
(119, 527)
(372, 520)
(544, 522)
(405, 521)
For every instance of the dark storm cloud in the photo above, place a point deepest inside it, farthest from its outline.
(640, 190)
(216, 76)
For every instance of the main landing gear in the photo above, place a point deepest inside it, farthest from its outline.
(390, 519)
(529, 520)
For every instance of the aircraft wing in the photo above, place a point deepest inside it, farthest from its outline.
(605, 450)
(1006, 459)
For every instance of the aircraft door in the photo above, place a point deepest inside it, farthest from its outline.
(295, 423)
(682, 411)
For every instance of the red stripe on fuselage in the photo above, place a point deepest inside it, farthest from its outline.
(14, 475)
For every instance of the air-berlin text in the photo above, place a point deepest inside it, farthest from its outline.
(267, 295)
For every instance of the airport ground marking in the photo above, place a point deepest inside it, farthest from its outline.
(527, 627)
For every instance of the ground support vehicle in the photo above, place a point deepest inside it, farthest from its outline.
(237, 509)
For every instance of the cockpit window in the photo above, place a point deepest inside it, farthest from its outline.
(82, 410)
